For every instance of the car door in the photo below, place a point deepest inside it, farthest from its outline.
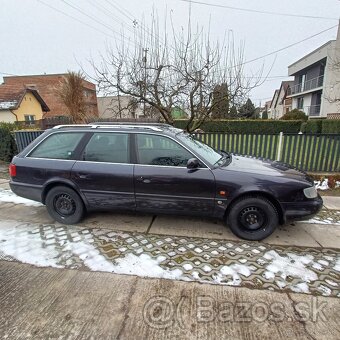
(164, 184)
(105, 174)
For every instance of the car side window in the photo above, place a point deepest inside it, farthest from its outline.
(158, 150)
(58, 146)
(107, 147)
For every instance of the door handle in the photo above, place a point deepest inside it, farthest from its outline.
(144, 180)
(83, 176)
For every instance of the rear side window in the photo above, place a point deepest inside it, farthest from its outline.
(107, 147)
(58, 146)
(158, 150)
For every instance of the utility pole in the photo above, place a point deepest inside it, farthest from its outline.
(145, 50)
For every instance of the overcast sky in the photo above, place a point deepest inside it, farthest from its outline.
(37, 39)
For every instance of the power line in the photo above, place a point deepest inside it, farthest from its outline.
(74, 18)
(258, 11)
(89, 16)
(286, 47)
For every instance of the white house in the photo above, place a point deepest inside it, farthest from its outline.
(317, 80)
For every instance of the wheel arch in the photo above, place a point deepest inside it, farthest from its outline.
(61, 182)
(259, 194)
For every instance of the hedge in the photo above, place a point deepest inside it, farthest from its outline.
(331, 126)
(7, 143)
(257, 126)
(312, 126)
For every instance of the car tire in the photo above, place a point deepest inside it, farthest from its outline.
(64, 205)
(252, 218)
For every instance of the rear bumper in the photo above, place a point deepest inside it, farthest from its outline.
(29, 191)
(302, 210)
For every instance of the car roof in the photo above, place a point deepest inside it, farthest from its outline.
(126, 127)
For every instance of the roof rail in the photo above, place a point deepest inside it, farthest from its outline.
(96, 126)
(69, 125)
(129, 123)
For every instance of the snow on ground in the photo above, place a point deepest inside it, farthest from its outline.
(292, 265)
(54, 247)
(235, 270)
(7, 196)
(27, 247)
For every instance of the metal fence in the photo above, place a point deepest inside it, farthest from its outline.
(309, 152)
(23, 138)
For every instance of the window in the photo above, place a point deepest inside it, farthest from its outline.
(58, 146)
(29, 119)
(107, 147)
(157, 150)
(201, 149)
(300, 103)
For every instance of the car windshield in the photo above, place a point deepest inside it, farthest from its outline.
(201, 149)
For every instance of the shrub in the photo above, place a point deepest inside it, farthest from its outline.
(7, 143)
(312, 126)
(295, 115)
(330, 126)
(256, 126)
(265, 115)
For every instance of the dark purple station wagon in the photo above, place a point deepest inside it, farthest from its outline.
(158, 169)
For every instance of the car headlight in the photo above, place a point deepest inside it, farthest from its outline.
(310, 192)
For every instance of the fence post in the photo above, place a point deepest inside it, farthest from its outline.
(279, 148)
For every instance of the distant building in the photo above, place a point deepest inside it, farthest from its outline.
(18, 103)
(46, 85)
(280, 103)
(124, 107)
(317, 80)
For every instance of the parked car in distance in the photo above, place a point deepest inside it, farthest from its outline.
(157, 168)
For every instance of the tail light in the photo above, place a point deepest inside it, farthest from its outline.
(12, 170)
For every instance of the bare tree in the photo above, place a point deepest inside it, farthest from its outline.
(71, 92)
(332, 94)
(180, 69)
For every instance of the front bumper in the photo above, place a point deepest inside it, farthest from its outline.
(302, 210)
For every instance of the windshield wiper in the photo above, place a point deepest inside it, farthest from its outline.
(226, 156)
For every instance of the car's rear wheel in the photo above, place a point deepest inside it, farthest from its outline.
(64, 205)
(252, 218)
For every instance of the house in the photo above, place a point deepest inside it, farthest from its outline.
(19, 103)
(317, 80)
(124, 107)
(118, 107)
(47, 85)
(280, 103)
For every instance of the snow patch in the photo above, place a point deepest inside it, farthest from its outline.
(293, 265)
(321, 185)
(235, 270)
(7, 196)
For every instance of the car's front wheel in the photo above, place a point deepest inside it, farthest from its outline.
(64, 205)
(252, 218)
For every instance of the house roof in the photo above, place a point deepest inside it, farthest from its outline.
(285, 86)
(11, 97)
(37, 78)
(311, 53)
(276, 94)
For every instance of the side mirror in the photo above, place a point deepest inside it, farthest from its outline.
(193, 163)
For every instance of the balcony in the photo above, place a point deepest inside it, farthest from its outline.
(308, 85)
(312, 111)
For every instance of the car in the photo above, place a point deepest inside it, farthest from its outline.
(158, 169)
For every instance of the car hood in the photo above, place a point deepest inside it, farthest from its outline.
(266, 167)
